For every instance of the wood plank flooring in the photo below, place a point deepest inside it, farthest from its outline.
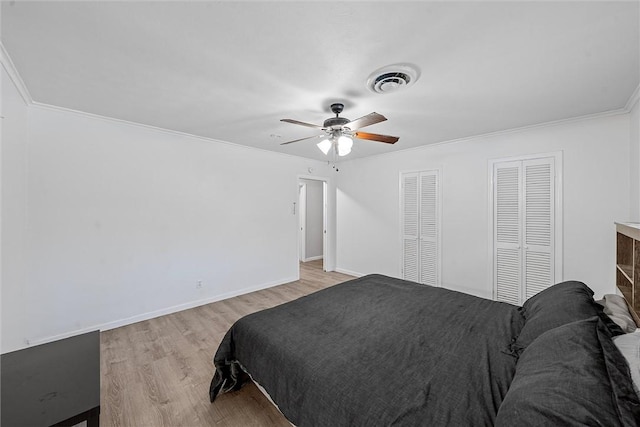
(157, 372)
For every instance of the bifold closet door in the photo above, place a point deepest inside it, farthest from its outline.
(524, 228)
(539, 225)
(420, 227)
(410, 221)
(507, 253)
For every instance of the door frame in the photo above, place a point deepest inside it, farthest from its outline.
(302, 221)
(327, 260)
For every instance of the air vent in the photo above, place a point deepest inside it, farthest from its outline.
(392, 78)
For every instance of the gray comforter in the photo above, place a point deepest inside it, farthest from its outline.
(376, 351)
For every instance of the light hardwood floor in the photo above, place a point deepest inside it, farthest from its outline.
(157, 372)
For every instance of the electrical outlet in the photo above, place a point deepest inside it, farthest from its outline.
(199, 284)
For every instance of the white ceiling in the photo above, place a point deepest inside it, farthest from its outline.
(230, 70)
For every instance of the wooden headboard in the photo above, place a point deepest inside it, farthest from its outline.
(628, 265)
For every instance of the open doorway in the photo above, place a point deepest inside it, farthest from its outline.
(312, 226)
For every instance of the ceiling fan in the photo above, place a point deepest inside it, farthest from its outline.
(340, 131)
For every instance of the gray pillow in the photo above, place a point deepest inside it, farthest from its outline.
(557, 305)
(570, 376)
(615, 306)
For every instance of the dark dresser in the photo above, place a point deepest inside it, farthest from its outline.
(52, 384)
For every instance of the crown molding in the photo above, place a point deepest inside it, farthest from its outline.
(17, 81)
(488, 135)
(13, 74)
(10, 68)
(633, 99)
(36, 104)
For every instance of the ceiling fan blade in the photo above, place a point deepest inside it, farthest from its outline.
(302, 139)
(377, 137)
(296, 122)
(368, 120)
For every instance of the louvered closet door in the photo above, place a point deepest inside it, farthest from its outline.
(506, 232)
(524, 228)
(410, 227)
(538, 225)
(420, 227)
(507, 188)
(429, 228)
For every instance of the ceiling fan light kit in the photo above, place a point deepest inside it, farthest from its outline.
(340, 131)
(324, 146)
(343, 145)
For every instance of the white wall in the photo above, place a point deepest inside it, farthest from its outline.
(112, 223)
(314, 221)
(634, 159)
(13, 149)
(105, 223)
(596, 193)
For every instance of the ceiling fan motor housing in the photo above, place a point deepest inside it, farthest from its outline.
(335, 121)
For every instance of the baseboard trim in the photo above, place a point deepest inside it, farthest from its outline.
(349, 272)
(157, 313)
(313, 258)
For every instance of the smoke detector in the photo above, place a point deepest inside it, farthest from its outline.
(392, 78)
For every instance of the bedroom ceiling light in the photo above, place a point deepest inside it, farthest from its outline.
(344, 145)
(340, 131)
(341, 144)
(325, 145)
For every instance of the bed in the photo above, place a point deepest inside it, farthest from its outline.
(383, 351)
